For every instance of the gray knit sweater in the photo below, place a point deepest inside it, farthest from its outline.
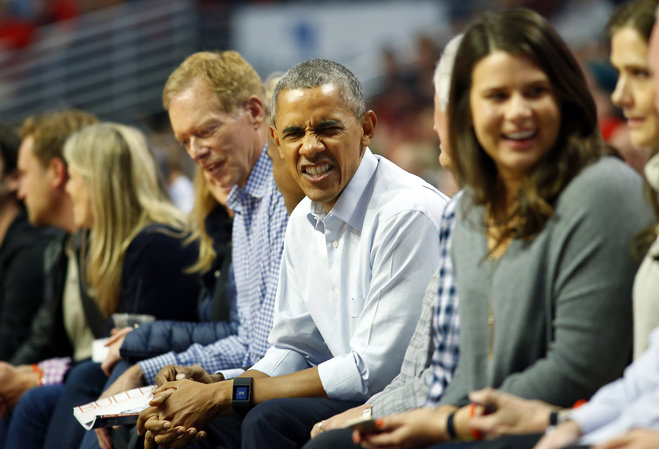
(561, 302)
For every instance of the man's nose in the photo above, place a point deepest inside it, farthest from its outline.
(311, 145)
(197, 150)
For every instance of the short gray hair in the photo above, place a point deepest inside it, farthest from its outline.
(320, 72)
(442, 78)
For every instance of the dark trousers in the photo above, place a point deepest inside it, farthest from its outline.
(84, 384)
(510, 442)
(88, 439)
(31, 416)
(342, 439)
(276, 424)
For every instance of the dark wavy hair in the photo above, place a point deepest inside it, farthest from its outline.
(525, 33)
(638, 15)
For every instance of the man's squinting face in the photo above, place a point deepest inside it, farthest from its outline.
(34, 185)
(321, 140)
(218, 141)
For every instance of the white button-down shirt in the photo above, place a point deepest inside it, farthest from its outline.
(353, 279)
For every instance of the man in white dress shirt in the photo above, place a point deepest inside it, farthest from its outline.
(358, 254)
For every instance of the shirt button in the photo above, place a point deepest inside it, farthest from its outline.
(335, 244)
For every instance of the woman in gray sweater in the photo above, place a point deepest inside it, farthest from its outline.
(542, 243)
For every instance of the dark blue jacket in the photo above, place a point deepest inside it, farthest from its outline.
(216, 309)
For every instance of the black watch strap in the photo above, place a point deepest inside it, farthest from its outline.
(241, 398)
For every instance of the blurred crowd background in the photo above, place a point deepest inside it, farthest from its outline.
(112, 57)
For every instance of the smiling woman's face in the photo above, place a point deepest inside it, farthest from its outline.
(514, 111)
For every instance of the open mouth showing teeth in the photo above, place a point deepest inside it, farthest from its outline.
(520, 135)
(317, 171)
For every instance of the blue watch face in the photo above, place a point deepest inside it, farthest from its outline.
(240, 393)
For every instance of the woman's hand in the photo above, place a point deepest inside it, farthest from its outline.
(509, 414)
(414, 429)
(114, 343)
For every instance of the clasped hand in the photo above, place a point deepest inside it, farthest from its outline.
(179, 409)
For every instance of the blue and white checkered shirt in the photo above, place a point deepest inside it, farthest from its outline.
(446, 322)
(259, 226)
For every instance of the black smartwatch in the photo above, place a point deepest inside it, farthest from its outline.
(241, 399)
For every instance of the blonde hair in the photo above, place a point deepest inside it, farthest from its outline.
(204, 203)
(227, 74)
(115, 162)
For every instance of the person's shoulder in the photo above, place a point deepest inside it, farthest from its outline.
(606, 181)
(157, 235)
(398, 191)
(23, 236)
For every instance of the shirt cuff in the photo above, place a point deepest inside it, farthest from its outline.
(230, 373)
(54, 370)
(588, 417)
(277, 362)
(342, 380)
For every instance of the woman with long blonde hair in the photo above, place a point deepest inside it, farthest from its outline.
(115, 191)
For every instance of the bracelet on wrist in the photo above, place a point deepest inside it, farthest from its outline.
(39, 372)
(450, 426)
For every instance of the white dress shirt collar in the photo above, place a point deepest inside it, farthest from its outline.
(351, 205)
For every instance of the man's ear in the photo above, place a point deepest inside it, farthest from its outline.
(275, 140)
(256, 110)
(57, 173)
(367, 122)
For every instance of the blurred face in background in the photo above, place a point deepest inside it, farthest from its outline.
(635, 89)
(440, 125)
(35, 185)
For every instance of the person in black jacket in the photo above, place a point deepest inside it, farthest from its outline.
(42, 177)
(22, 249)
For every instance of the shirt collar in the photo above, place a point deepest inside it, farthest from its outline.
(257, 181)
(352, 202)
